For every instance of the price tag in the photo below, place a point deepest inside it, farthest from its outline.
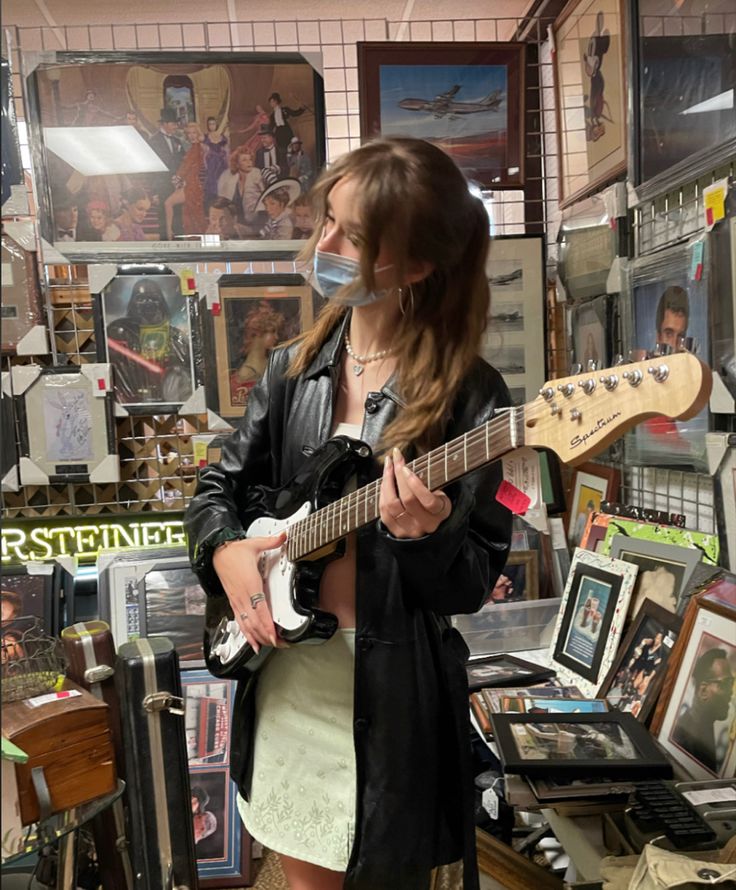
(187, 282)
(521, 472)
(52, 696)
(510, 497)
(696, 261)
(489, 800)
(714, 202)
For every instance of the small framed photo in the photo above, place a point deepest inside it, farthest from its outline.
(466, 98)
(595, 530)
(590, 81)
(591, 332)
(65, 424)
(523, 704)
(8, 436)
(221, 842)
(23, 328)
(613, 744)
(696, 716)
(141, 154)
(494, 698)
(719, 593)
(32, 589)
(591, 618)
(252, 314)
(513, 341)
(636, 676)
(664, 570)
(504, 670)
(153, 592)
(147, 331)
(591, 484)
(522, 578)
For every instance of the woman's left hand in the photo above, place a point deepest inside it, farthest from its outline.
(407, 507)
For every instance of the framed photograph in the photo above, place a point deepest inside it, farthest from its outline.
(136, 154)
(682, 126)
(591, 332)
(504, 670)
(466, 98)
(563, 790)
(613, 744)
(595, 530)
(147, 330)
(65, 424)
(591, 484)
(32, 589)
(590, 81)
(252, 315)
(523, 704)
(494, 698)
(522, 578)
(591, 618)
(149, 593)
(719, 594)
(8, 437)
(664, 570)
(514, 340)
(12, 167)
(705, 543)
(696, 719)
(22, 320)
(636, 676)
(668, 307)
(221, 842)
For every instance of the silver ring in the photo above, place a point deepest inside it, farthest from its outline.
(243, 616)
(257, 598)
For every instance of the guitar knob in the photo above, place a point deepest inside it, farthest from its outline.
(660, 373)
(567, 389)
(575, 414)
(610, 381)
(634, 377)
(592, 365)
(547, 393)
(576, 369)
(587, 386)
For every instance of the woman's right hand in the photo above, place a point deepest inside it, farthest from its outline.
(236, 564)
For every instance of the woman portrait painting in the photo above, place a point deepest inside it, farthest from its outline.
(261, 332)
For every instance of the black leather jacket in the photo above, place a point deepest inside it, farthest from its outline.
(411, 724)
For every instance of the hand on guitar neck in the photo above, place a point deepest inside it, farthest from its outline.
(236, 564)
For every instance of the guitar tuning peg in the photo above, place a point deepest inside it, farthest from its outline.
(665, 349)
(576, 369)
(618, 360)
(592, 365)
(689, 344)
(655, 353)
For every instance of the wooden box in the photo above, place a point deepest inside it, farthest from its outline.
(70, 739)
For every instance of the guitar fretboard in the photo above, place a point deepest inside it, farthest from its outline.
(437, 468)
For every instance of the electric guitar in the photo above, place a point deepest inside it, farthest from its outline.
(577, 417)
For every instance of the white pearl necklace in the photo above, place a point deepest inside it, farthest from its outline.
(361, 360)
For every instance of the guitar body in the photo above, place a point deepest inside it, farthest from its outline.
(292, 589)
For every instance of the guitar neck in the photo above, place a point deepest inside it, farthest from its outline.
(437, 468)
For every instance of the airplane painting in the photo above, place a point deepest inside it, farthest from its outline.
(445, 103)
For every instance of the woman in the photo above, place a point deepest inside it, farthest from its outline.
(189, 191)
(353, 757)
(260, 335)
(215, 159)
(242, 184)
(136, 204)
(278, 225)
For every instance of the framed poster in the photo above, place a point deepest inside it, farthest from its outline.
(590, 81)
(684, 123)
(520, 578)
(466, 98)
(591, 485)
(8, 437)
(65, 424)
(136, 154)
(591, 619)
(592, 332)
(147, 331)
(252, 315)
(21, 315)
(221, 842)
(31, 590)
(514, 340)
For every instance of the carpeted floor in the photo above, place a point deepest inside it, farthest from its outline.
(270, 875)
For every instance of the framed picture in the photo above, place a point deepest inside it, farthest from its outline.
(522, 577)
(136, 154)
(669, 307)
(591, 618)
(591, 484)
(8, 436)
(514, 341)
(221, 842)
(719, 594)
(504, 670)
(65, 424)
(563, 790)
(23, 330)
(590, 81)
(725, 496)
(682, 128)
(12, 167)
(148, 593)
(32, 589)
(523, 704)
(696, 719)
(636, 676)
(664, 570)
(553, 491)
(252, 315)
(595, 530)
(591, 332)
(466, 98)
(706, 544)
(147, 330)
(494, 698)
(613, 744)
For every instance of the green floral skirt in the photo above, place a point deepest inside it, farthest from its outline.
(302, 801)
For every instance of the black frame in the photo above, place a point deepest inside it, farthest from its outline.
(534, 673)
(560, 656)
(8, 437)
(51, 595)
(650, 764)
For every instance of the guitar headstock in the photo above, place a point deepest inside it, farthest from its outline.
(578, 417)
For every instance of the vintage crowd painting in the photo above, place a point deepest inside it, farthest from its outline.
(141, 151)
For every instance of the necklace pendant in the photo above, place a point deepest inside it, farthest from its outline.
(358, 370)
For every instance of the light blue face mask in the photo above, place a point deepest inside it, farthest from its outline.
(333, 272)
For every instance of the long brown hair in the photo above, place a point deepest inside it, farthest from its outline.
(413, 197)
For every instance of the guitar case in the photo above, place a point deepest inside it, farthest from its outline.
(162, 834)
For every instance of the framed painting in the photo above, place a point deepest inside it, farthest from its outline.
(31, 590)
(251, 315)
(147, 330)
(591, 618)
(514, 340)
(520, 578)
(612, 744)
(222, 845)
(65, 424)
(636, 676)
(504, 670)
(139, 154)
(664, 570)
(591, 332)
(591, 485)
(590, 82)
(705, 543)
(21, 314)
(684, 123)
(695, 721)
(466, 98)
